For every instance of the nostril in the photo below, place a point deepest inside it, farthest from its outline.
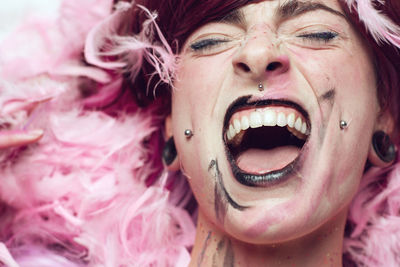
(243, 67)
(274, 66)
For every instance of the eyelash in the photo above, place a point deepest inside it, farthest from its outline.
(319, 36)
(207, 44)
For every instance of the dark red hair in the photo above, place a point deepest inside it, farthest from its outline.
(177, 19)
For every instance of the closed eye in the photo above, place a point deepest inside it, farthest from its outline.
(319, 36)
(208, 43)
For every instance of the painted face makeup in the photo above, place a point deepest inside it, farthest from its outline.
(272, 165)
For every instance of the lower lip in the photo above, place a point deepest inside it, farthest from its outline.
(270, 178)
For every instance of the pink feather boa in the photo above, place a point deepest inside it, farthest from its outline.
(374, 213)
(79, 196)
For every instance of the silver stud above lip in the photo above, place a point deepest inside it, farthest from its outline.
(260, 86)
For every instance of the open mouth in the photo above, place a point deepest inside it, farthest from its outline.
(264, 140)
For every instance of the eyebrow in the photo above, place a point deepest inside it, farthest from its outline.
(293, 8)
(235, 17)
(289, 9)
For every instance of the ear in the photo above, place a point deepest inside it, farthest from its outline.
(382, 150)
(172, 164)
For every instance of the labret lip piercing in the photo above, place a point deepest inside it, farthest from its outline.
(188, 133)
(260, 87)
(343, 124)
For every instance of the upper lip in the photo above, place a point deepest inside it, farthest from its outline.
(243, 102)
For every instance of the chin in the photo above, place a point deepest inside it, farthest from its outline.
(279, 182)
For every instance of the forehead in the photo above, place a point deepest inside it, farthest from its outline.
(282, 9)
(287, 4)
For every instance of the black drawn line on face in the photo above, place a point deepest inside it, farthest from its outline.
(229, 259)
(221, 245)
(328, 96)
(218, 253)
(203, 250)
(220, 206)
(221, 194)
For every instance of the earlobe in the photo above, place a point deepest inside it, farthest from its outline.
(169, 153)
(170, 156)
(383, 151)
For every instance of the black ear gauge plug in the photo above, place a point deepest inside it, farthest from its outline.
(383, 146)
(169, 151)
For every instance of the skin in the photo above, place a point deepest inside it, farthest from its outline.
(10, 139)
(299, 222)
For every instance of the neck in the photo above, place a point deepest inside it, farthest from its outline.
(322, 247)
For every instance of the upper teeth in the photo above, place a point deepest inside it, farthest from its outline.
(267, 117)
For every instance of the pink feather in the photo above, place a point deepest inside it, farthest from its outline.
(133, 49)
(374, 212)
(378, 24)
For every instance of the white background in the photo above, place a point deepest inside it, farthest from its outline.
(13, 11)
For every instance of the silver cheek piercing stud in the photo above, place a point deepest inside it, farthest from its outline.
(343, 124)
(260, 87)
(188, 133)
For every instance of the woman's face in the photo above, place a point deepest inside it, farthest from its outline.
(259, 182)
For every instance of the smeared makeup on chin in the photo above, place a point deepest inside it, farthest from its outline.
(221, 196)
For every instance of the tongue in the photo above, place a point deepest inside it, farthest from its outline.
(259, 161)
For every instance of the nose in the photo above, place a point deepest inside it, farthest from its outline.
(260, 59)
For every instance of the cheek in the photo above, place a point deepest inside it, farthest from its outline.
(352, 77)
(197, 90)
(307, 62)
(348, 71)
(195, 94)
